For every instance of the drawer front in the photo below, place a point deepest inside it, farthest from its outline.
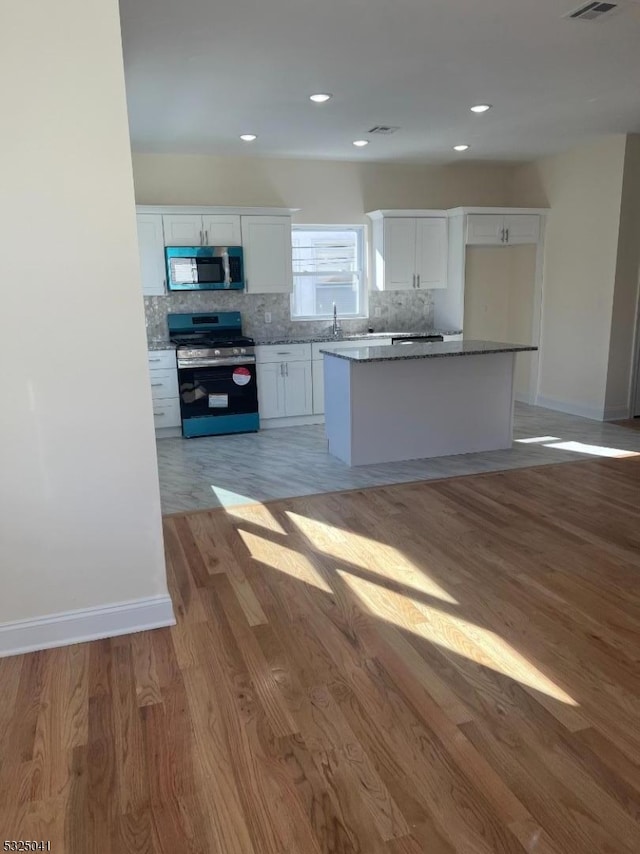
(332, 346)
(283, 353)
(166, 413)
(164, 384)
(162, 360)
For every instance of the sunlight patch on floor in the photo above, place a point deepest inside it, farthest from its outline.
(464, 638)
(593, 450)
(283, 559)
(539, 440)
(229, 499)
(368, 554)
(258, 515)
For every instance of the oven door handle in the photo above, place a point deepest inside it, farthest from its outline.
(216, 363)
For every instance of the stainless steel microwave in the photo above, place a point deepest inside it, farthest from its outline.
(204, 268)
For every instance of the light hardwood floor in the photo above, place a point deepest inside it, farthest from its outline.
(414, 669)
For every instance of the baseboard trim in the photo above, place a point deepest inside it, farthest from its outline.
(595, 414)
(85, 624)
(291, 421)
(617, 413)
(523, 398)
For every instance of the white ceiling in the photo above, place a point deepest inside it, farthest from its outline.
(199, 73)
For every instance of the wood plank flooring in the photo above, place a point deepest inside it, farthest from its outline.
(423, 668)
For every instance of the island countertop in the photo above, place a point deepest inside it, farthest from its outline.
(429, 350)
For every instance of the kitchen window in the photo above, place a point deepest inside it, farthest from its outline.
(328, 268)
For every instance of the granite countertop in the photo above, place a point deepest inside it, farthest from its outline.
(165, 344)
(356, 336)
(428, 350)
(160, 344)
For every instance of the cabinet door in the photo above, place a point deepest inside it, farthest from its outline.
(297, 388)
(399, 253)
(431, 252)
(522, 228)
(270, 390)
(151, 249)
(182, 229)
(317, 382)
(266, 241)
(485, 229)
(221, 230)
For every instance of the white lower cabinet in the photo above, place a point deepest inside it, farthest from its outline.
(298, 394)
(317, 374)
(163, 377)
(270, 390)
(284, 380)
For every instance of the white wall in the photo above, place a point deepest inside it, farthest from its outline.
(499, 301)
(325, 191)
(583, 188)
(80, 523)
(621, 375)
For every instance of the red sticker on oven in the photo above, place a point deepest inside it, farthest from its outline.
(241, 376)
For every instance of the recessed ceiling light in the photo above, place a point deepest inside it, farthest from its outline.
(248, 137)
(480, 108)
(321, 97)
(360, 143)
(461, 147)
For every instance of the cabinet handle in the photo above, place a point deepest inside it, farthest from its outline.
(206, 237)
(283, 352)
(156, 385)
(502, 235)
(507, 237)
(159, 414)
(418, 279)
(155, 360)
(164, 284)
(281, 369)
(414, 280)
(286, 368)
(201, 241)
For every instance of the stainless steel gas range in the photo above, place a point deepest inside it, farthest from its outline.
(216, 374)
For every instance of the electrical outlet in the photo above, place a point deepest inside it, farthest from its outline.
(267, 317)
(377, 311)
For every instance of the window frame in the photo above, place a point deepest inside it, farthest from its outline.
(363, 248)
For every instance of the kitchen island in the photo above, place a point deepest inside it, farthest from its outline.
(411, 401)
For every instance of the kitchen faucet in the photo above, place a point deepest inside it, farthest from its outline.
(336, 328)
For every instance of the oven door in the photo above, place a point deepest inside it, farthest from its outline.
(218, 399)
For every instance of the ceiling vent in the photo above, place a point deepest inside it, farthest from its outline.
(591, 11)
(385, 130)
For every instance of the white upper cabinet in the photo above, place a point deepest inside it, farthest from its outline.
(222, 230)
(498, 230)
(485, 229)
(410, 252)
(183, 230)
(151, 249)
(522, 228)
(266, 242)
(431, 252)
(202, 230)
(399, 254)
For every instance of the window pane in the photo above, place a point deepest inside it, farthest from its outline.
(328, 268)
(316, 295)
(324, 251)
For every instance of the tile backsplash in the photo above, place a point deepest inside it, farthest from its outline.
(400, 311)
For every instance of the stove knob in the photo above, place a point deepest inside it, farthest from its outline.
(235, 351)
(216, 352)
(243, 350)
